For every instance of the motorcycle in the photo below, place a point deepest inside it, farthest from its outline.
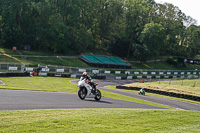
(86, 90)
(141, 92)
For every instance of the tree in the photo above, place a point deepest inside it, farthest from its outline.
(153, 36)
(136, 27)
(192, 41)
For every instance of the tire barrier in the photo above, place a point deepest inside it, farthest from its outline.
(2, 74)
(58, 75)
(172, 94)
(14, 74)
(98, 77)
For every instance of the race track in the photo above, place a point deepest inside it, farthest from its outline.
(33, 100)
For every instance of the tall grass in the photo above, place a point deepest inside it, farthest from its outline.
(186, 83)
(190, 87)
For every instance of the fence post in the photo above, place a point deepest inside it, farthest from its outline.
(194, 83)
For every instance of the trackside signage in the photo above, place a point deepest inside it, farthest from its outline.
(60, 70)
(29, 69)
(95, 71)
(117, 72)
(13, 68)
(45, 69)
(107, 72)
(127, 72)
(82, 70)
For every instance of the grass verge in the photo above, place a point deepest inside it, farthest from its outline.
(156, 95)
(55, 84)
(100, 121)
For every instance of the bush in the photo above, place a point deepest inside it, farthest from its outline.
(172, 61)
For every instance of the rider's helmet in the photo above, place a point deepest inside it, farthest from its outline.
(85, 74)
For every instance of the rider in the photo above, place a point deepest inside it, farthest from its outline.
(142, 91)
(89, 79)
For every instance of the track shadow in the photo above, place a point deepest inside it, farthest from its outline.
(98, 101)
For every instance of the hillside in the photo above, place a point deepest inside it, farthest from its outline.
(45, 58)
(140, 29)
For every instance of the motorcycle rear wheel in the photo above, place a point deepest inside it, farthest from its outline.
(82, 93)
(98, 95)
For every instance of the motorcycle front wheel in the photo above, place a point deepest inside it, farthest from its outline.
(98, 95)
(82, 93)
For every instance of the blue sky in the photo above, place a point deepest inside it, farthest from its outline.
(189, 7)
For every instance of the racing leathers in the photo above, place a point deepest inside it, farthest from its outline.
(90, 81)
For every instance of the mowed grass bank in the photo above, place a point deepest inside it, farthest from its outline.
(59, 84)
(189, 87)
(100, 121)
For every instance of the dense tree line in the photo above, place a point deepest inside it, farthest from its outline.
(127, 28)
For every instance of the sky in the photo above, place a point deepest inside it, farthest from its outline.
(189, 7)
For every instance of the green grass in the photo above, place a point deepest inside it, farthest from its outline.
(48, 53)
(163, 66)
(58, 61)
(56, 84)
(100, 121)
(8, 51)
(7, 58)
(44, 61)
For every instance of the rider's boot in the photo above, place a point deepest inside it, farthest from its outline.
(94, 90)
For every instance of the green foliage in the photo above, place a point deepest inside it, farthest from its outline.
(138, 28)
(172, 61)
(153, 36)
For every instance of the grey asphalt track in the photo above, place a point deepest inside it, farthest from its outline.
(33, 100)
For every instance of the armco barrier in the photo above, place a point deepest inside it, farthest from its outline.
(18, 67)
(73, 76)
(156, 77)
(172, 94)
(98, 77)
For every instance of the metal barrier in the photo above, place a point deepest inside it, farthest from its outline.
(129, 74)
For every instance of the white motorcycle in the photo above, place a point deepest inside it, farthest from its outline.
(141, 92)
(86, 90)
